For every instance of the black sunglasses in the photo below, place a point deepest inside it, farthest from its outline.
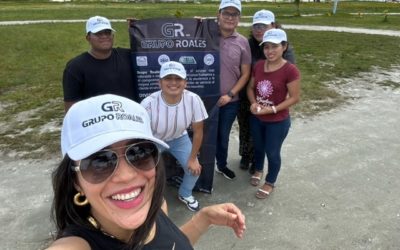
(99, 166)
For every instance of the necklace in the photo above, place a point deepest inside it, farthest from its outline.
(94, 223)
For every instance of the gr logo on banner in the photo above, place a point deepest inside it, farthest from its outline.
(172, 30)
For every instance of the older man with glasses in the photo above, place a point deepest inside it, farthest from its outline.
(102, 69)
(235, 59)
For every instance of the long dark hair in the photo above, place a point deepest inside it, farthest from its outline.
(65, 213)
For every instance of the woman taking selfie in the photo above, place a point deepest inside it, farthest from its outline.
(108, 189)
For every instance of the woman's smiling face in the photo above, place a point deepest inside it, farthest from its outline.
(173, 86)
(121, 203)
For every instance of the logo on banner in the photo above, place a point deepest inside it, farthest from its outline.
(172, 30)
(187, 60)
(208, 59)
(163, 59)
(173, 37)
(141, 61)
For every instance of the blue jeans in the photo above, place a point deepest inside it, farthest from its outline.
(268, 138)
(227, 115)
(181, 148)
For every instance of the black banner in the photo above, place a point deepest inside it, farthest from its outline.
(195, 44)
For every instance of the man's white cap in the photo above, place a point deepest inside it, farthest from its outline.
(264, 17)
(274, 36)
(231, 3)
(172, 68)
(95, 123)
(98, 23)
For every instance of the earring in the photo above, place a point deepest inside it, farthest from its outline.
(78, 200)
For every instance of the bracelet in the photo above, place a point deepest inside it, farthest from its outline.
(230, 94)
(273, 109)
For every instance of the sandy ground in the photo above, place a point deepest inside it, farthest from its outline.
(338, 187)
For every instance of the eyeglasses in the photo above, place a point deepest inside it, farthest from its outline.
(99, 166)
(227, 14)
(260, 26)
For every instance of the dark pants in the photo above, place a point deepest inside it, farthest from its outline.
(268, 138)
(246, 149)
(227, 115)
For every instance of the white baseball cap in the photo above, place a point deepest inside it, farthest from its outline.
(172, 68)
(98, 23)
(95, 123)
(231, 3)
(274, 36)
(264, 17)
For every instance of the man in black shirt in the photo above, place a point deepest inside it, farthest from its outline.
(101, 70)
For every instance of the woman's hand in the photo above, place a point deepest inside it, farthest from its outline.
(256, 108)
(226, 214)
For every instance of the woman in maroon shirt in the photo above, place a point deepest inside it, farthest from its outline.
(273, 88)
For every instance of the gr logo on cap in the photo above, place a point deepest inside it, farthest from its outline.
(98, 23)
(97, 122)
(112, 106)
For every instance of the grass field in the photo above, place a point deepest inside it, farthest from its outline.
(33, 56)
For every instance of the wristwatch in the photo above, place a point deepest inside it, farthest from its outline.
(230, 94)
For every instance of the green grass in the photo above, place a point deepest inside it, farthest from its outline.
(346, 20)
(33, 56)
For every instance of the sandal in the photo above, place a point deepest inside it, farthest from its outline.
(263, 194)
(255, 179)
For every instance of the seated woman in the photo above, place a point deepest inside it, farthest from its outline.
(108, 189)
